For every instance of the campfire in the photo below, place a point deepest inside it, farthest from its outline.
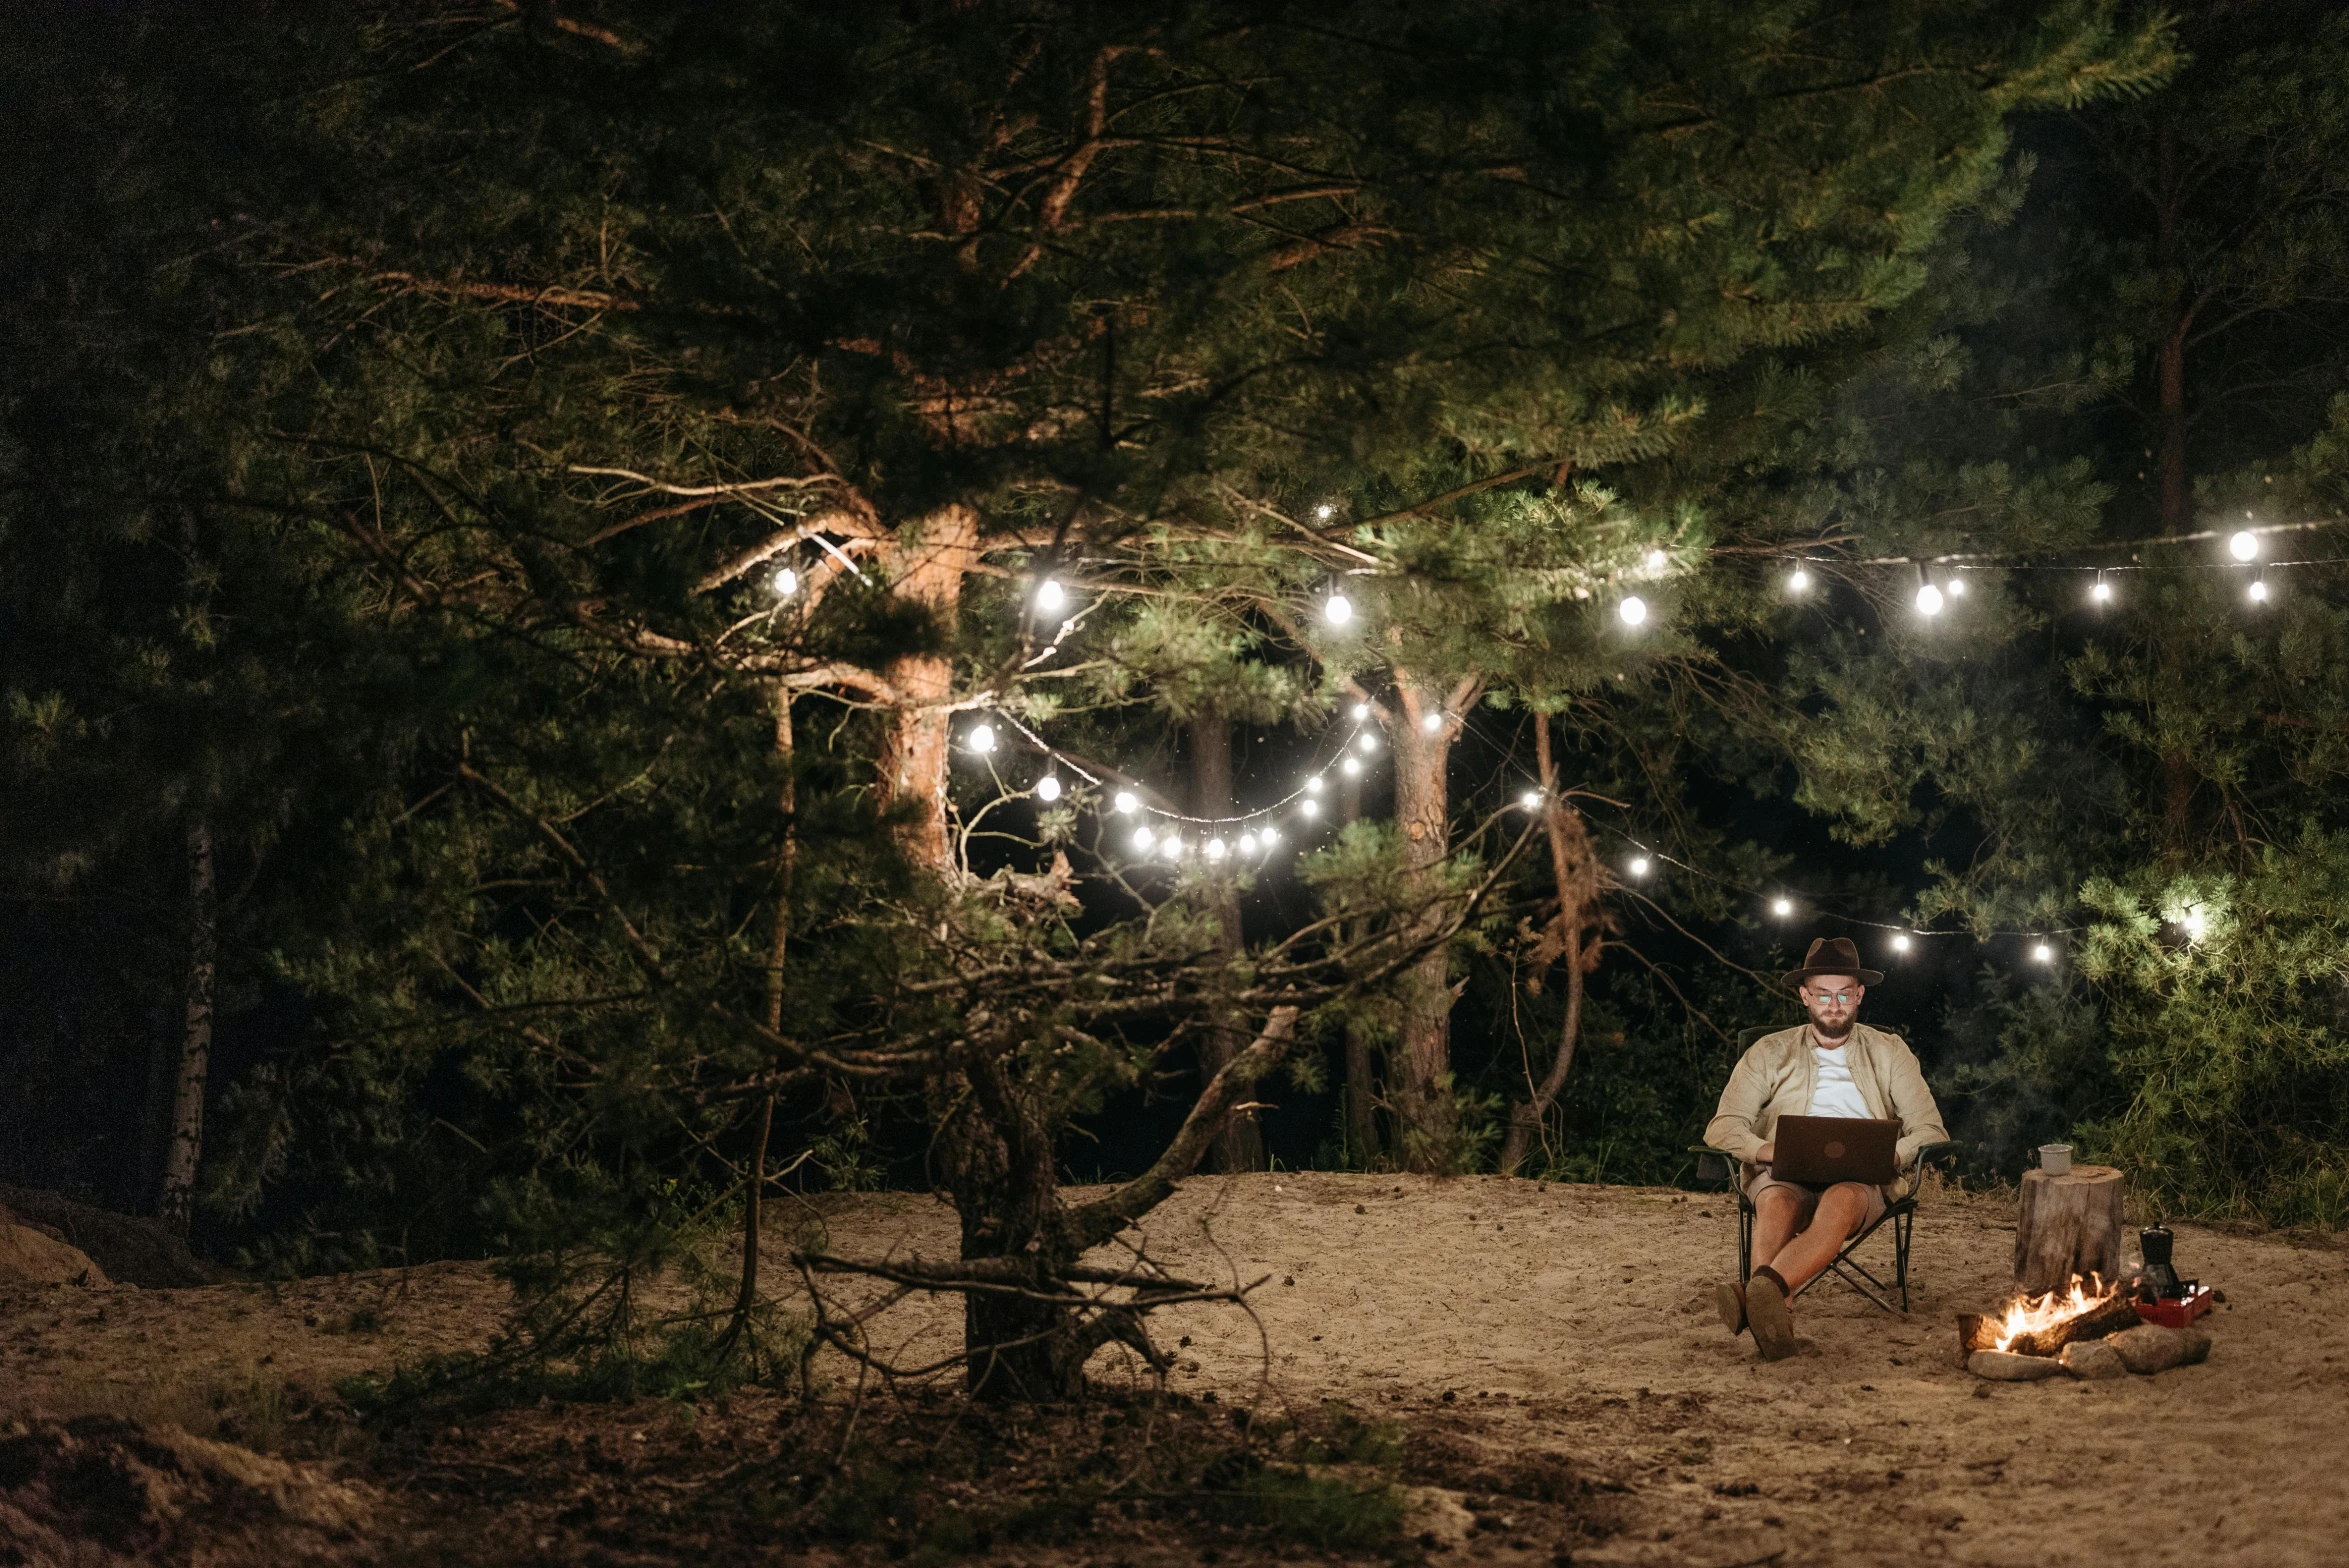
(2088, 1329)
(2043, 1325)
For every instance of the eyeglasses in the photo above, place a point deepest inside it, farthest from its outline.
(1839, 998)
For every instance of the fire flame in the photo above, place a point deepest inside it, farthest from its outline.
(2039, 1313)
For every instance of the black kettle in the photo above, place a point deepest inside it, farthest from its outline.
(2159, 1280)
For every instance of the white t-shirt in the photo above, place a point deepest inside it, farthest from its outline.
(1832, 1091)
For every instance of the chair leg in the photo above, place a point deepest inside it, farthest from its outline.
(1745, 1241)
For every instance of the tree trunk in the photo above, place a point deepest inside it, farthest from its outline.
(177, 1203)
(2177, 487)
(1427, 1115)
(2067, 1225)
(1240, 1146)
(926, 564)
(755, 1184)
(1362, 1131)
(1576, 871)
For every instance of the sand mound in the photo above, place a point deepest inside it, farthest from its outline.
(103, 1491)
(31, 1257)
(135, 1249)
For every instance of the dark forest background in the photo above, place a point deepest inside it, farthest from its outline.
(242, 691)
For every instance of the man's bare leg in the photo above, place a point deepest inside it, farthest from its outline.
(1776, 1213)
(1843, 1209)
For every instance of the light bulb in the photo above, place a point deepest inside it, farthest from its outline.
(1050, 595)
(1957, 587)
(1351, 767)
(1247, 843)
(2195, 925)
(1639, 865)
(1337, 609)
(1928, 600)
(1268, 838)
(1313, 785)
(2043, 953)
(1782, 906)
(2259, 591)
(1368, 742)
(1633, 610)
(2102, 592)
(1216, 849)
(1531, 800)
(786, 583)
(2244, 546)
(1309, 808)
(1361, 712)
(1048, 788)
(1124, 804)
(1658, 560)
(1325, 511)
(1798, 581)
(1142, 840)
(1433, 723)
(1171, 847)
(1900, 943)
(981, 739)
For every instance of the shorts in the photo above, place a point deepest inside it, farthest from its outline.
(1807, 1196)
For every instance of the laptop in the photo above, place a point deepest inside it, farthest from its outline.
(1823, 1150)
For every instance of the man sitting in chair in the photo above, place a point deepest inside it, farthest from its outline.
(1831, 1066)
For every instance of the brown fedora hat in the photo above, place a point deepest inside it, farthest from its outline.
(1833, 955)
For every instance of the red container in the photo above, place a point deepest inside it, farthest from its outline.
(2176, 1312)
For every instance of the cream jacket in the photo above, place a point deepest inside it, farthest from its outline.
(1775, 1076)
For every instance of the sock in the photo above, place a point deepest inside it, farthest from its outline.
(1774, 1277)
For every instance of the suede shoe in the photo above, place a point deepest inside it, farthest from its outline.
(1729, 1301)
(1767, 1316)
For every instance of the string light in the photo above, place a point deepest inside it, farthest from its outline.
(1531, 800)
(1639, 865)
(2194, 923)
(1142, 840)
(1928, 600)
(1367, 741)
(1957, 586)
(1171, 847)
(1900, 942)
(1782, 907)
(2244, 546)
(1048, 788)
(1433, 723)
(1313, 785)
(1798, 581)
(1050, 595)
(1125, 804)
(786, 583)
(1325, 511)
(1216, 849)
(1351, 768)
(1247, 843)
(1658, 560)
(2043, 953)
(1337, 609)
(981, 739)
(2258, 590)
(1361, 712)
(2102, 592)
(1268, 838)
(1633, 610)
(1309, 809)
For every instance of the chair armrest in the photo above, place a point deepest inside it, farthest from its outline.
(1714, 1165)
(1946, 1151)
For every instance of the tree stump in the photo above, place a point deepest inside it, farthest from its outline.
(2067, 1225)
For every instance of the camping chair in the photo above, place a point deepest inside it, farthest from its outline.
(1720, 1166)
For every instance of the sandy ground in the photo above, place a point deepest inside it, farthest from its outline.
(1533, 1322)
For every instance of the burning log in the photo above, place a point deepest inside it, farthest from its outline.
(2004, 1366)
(2084, 1309)
(2067, 1225)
